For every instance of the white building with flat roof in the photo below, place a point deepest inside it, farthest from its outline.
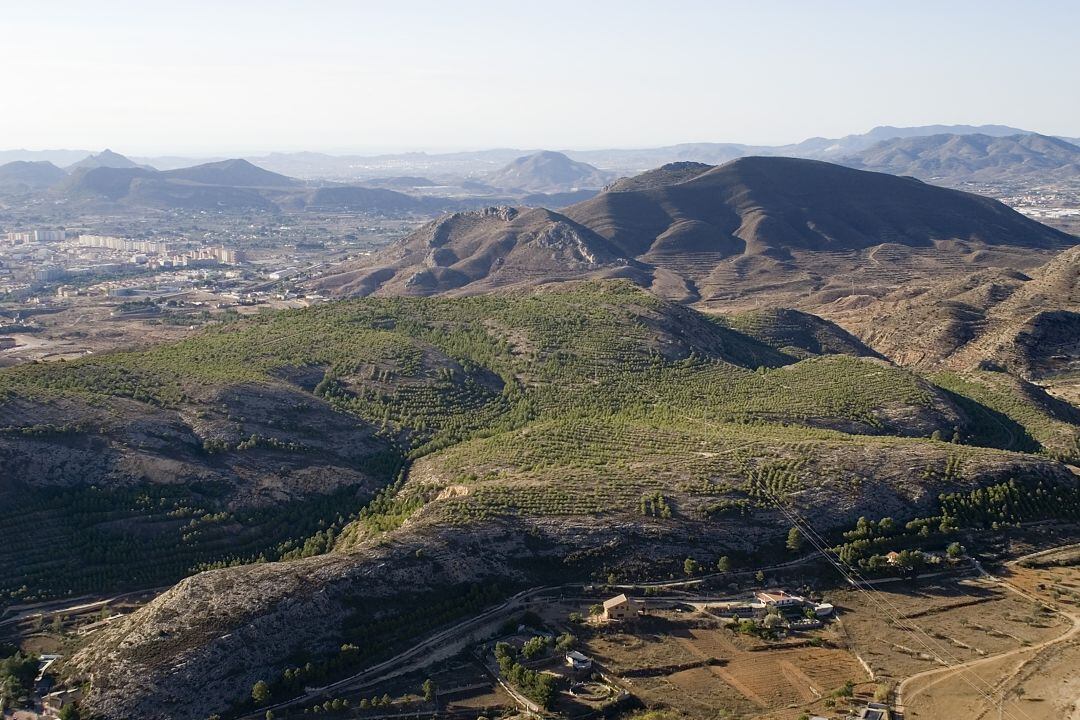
(778, 598)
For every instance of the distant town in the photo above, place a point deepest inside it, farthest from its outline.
(57, 283)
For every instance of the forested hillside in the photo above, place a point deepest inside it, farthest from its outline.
(468, 446)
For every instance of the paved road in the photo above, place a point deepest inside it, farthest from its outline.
(415, 657)
(58, 607)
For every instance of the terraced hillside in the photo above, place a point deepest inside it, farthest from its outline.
(569, 431)
(999, 402)
(1025, 322)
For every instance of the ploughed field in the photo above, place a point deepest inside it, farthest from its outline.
(966, 620)
(695, 666)
(1032, 668)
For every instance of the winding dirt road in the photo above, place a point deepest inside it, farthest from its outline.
(939, 675)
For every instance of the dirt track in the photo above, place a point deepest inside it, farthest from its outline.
(916, 685)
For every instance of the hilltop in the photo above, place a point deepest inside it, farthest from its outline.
(238, 173)
(766, 231)
(771, 206)
(756, 230)
(548, 172)
(23, 176)
(541, 431)
(107, 159)
(670, 174)
(482, 249)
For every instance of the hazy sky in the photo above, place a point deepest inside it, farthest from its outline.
(228, 76)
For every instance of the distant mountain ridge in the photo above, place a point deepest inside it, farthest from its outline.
(973, 157)
(815, 148)
(316, 165)
(111, 183)
(232, 184)
(684, 230)
(313, 165)
(235, 185)
(109, 159)
(826, 149)
(59, 157)
(236, 172)
(432, 183)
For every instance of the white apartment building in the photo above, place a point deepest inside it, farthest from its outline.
(34, 236)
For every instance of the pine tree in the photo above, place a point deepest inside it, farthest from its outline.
(260, 693)
(794, 540)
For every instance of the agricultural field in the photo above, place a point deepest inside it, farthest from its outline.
(693, 665)
(966, 620)
(1039, 679)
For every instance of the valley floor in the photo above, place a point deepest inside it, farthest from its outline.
(1013, 634)
(1036, 680)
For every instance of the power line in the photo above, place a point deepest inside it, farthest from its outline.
(896, 617)
(883, 604)
(889, 609)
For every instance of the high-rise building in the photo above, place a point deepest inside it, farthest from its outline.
(108, 242)
(34, 236)
(51, 272)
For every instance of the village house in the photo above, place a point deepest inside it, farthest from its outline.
(778, 599)
(874, 711)
(577, 661)
(56, 701)
(620, 607)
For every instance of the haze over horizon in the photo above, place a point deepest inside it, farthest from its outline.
(249, 77)
(539, 360)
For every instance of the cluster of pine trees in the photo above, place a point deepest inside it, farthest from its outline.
(537, 686)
